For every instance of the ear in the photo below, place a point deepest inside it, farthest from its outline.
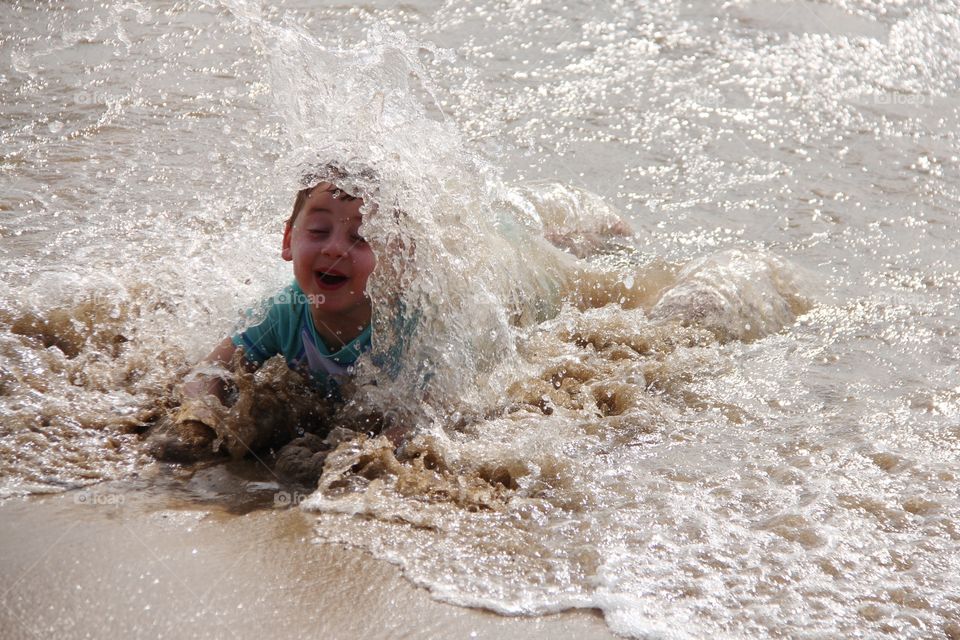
(286, 252)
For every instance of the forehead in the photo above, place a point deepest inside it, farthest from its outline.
(327, 198)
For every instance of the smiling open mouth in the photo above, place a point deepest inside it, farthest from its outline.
(330, 279)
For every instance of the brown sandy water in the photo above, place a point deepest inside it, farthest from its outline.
(748, 427)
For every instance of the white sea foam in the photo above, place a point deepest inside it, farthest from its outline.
(662, 428)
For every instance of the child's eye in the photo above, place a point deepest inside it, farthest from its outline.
(318, 232)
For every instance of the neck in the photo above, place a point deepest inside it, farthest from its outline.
(336, 331)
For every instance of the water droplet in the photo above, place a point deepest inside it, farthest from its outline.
(55, 127)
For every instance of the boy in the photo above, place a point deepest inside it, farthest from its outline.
(320, 323)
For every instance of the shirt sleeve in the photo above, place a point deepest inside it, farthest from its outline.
(262, 341)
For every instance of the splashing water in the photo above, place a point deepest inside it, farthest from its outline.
(664, 427)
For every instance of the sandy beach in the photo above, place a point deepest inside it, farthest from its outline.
(197, 561)
(664, 294)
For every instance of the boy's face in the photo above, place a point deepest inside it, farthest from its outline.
(331, 261)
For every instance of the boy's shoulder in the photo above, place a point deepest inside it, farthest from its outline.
(288, 308)
(274, 325)
(285, 306)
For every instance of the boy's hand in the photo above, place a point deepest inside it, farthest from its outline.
(183, 439)
(395, 434)
(301, 460)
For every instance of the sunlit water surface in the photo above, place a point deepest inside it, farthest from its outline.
(750, 428)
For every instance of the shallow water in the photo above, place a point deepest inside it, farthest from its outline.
(748, 426)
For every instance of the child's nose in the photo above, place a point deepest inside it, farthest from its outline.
(337, 244)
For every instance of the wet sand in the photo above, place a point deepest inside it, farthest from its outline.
(202, 561)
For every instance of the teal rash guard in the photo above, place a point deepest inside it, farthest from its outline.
(288, 329)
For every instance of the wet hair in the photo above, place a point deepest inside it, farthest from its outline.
(303, 194)
(329, 174)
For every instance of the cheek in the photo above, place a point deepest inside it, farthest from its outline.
(301, 246)
(365, 264)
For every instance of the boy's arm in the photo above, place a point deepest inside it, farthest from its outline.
(201, 386)
(187, 435)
